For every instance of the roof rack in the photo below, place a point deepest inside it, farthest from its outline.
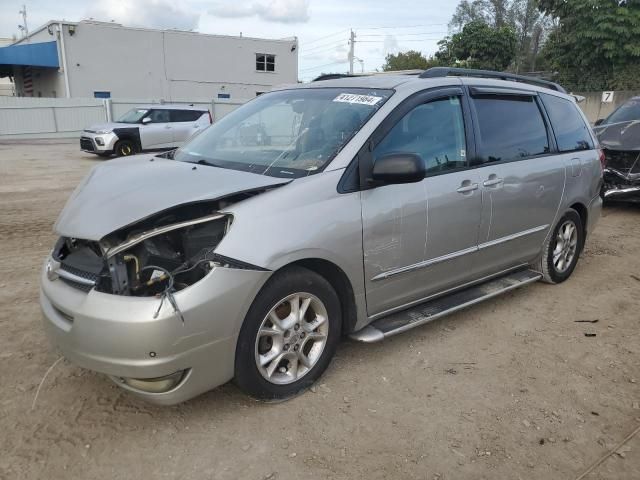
(333, 76)
(436, 72)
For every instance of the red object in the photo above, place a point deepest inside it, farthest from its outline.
(603, 159)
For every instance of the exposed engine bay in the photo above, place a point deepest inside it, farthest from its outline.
(621, 145)
(164, 253)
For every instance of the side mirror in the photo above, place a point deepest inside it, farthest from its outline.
(598, 122)
(399, 168)
(146, 120)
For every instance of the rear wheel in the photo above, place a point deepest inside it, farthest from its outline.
(125, 148)
(289, 335)
(562, 248)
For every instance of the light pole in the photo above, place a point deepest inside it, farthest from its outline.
(24, 28)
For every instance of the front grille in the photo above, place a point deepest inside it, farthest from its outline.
(86, 144)
(79, 273)
(81, 260)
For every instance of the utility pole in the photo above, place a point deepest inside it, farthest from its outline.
(352, 41)
(23, 27)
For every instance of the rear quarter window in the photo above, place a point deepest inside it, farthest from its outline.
(570, 129)
(185, 115)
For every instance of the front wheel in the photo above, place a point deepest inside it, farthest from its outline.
(125, 148)
(562, 248)
(289, 335)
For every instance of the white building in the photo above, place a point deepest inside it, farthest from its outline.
(6, 83)
(108, 60)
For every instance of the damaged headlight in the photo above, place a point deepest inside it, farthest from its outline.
(169, 257)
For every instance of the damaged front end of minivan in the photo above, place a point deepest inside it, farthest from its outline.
(163, 253)
(620, 143)
(134, 288)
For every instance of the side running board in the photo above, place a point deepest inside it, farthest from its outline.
(429, 311)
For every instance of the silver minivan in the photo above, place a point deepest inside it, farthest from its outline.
(361, 206)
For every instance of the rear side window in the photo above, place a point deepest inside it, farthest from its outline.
(159, 116)
(185, 115)
(568, 126)
(511, 128)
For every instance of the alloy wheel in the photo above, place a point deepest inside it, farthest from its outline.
(291, 338)
(566, 246)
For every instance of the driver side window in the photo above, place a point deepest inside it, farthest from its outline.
(433, 130)
(159, 116)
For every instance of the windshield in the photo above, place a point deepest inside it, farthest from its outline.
(627, 112)
(290, 133)
(134, 115)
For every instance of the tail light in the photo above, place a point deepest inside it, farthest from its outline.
(603, 159)
(210, 117)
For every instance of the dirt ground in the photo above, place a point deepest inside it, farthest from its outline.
(509, 389)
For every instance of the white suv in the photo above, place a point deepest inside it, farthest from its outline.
(149, 128)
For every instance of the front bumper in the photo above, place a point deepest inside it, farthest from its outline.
(98, 143)
(118, 336)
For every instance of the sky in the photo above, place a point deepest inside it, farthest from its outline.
(322, 26)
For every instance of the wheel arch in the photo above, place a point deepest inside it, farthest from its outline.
(584, 217)
(132, 134)
(340, 283)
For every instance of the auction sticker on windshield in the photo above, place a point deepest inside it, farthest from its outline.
(355, 98)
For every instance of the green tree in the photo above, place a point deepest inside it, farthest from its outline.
(596, 44)
(479, 46)
(523, 16)
(410, 60)
(494, 13)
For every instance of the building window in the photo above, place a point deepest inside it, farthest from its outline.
(224, 95)
(101, 94)
(265, 62)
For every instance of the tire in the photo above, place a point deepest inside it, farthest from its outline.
(125, 148)
(290, 347)
(558, 270)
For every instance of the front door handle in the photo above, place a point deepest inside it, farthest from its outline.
(467, 187)
(492, 182)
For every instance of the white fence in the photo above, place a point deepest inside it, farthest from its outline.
(28, 118)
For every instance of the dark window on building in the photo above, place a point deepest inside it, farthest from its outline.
(435, 131)
(224, 95)
(101, 94)
(511, 128)
(568, 126)
(185, 115)
(265, 62)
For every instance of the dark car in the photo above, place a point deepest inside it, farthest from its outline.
(619, 136)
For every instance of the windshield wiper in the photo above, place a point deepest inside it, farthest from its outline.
(208, 163)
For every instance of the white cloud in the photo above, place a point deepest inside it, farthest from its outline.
(145, 13)
(282, 11)
(390, 45)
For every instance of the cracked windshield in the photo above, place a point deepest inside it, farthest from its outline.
(291, 133)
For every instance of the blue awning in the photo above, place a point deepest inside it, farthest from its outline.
(29, 54)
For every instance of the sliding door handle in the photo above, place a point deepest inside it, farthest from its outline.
(492, 182)
(468, 187)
